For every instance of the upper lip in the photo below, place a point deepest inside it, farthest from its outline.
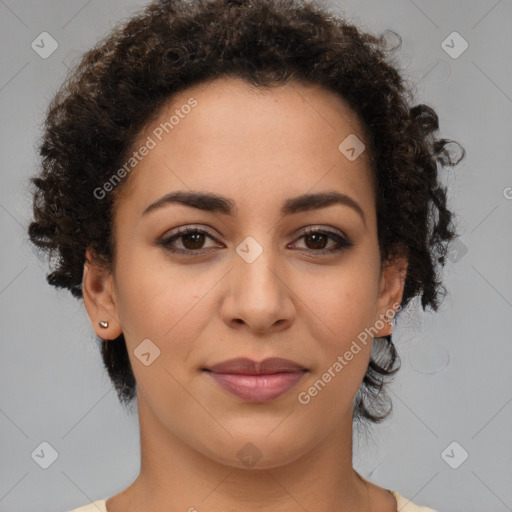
(247, 366)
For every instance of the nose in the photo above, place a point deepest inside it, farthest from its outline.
(258, 295)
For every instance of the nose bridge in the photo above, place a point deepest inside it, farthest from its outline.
(258, 294)
(255, 265)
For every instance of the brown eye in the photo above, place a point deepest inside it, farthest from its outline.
(319, 240)
(316, 241)
(192, 240)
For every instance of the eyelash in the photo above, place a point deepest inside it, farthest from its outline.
(343, 242)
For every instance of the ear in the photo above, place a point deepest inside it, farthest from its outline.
(392, 281)
(99, 297)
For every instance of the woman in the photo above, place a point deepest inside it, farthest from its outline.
(244, 197)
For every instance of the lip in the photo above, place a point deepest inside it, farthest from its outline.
(257, 382)
(245, 366)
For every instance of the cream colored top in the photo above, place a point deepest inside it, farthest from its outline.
(404, 505)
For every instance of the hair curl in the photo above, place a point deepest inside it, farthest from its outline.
(122, 82)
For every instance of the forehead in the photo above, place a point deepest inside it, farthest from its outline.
(226, 102)
(227, 133)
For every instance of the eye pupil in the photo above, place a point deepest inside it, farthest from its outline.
(314, 236)
(195, 245)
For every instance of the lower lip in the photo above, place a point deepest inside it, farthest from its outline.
(257, 388)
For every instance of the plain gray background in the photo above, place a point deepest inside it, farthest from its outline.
(453, 394)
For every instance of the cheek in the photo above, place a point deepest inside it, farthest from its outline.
(167, 304)
(170, 318)
(151, 296)
(337, 308)
(158, 309)
(341, 302)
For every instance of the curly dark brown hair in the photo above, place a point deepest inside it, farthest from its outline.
(121, 84)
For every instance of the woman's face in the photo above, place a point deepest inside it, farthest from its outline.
(251, 283)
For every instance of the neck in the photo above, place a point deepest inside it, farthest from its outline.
(177, 477)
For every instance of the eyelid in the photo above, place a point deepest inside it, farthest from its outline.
(184, 230)
(187, 228)
(318, 227)
(202, 227)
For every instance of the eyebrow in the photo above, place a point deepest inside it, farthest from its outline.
(216, 203)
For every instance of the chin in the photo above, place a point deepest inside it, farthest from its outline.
(259, 452)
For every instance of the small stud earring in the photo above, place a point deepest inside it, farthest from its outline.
(103, 324)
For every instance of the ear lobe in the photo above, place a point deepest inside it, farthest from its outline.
(99, 297)
(394, 272)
